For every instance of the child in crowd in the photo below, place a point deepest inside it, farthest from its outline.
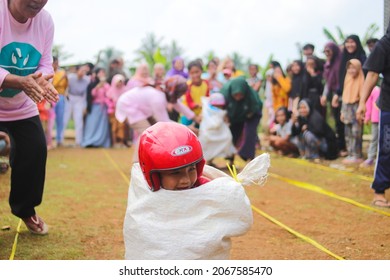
(117, 88)
(197, 88)
(254, 81)
(178, 208)
(281, 134)
(353, 85)
(214, 132)
(211, 76)
(47, 117)
(372, 115)
(5, 147)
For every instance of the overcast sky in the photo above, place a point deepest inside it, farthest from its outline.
(253, 28)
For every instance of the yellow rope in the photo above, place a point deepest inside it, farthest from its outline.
(297, 234)
(327, 168)
(320, 190)
(11, 257)
(117, 167)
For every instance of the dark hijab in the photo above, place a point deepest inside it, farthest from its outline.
(317, 125)
(297, 79)
(332, 67)
(359, 54)
(239, 111)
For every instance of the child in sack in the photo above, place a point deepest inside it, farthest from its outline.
(178, 208)
(214, 132)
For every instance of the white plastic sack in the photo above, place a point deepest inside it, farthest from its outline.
(191, 224)
(214, 133)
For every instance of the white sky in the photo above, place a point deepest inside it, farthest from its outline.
(253, 28)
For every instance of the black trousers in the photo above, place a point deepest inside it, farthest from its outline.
(28, 164)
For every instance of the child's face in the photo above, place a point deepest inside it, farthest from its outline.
(352, 71)
(252, 71)
(195, 74)
(179, 179)
(280, 117)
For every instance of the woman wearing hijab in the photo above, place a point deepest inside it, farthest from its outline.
(312, 86)
(117, 129)
(332, 84)
(140, 78)
(379, 62)
(244, 111)
(316, 138)
(353, 48)
(177, 68)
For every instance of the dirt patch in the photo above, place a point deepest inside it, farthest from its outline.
(86, 195)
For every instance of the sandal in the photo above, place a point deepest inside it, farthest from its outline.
(381, 203)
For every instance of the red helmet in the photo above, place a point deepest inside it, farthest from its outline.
(166, 146)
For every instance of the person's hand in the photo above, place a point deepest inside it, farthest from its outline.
(361, 113)
(323, 100)
(335, 101)
(170, 107)
(342, 117)
(366, 121)
(304, 127)
(49, 91)
(31, 87)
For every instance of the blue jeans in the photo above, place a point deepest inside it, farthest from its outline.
(60, 110)
(382, 169)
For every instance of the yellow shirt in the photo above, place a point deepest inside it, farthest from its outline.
(280, 92)
(60, 81)
(193, 97)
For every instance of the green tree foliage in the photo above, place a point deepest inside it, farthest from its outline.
(60, 53)
(105, 56)
(371, 31)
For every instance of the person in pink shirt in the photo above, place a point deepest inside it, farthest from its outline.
(117, 129)
(96, 128)
(26, 38)
(372, 115)
(144, 106)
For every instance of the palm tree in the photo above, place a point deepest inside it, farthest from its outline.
(104, 57)
(58, 51)
(173, 50)
(238, 60)
(372, 29)
(331, 37)
(149, 46)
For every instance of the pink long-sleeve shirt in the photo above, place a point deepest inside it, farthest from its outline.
(140, 103)
(25, 48)
(372, 110)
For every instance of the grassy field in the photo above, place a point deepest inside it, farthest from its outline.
(86, 194)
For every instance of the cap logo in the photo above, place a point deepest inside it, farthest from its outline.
(182, 150)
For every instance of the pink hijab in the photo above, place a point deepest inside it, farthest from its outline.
(116, 88)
